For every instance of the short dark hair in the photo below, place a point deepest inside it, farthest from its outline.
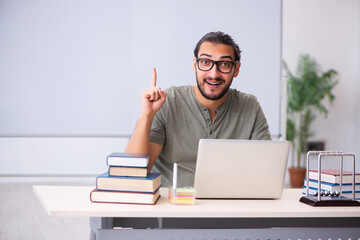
(219, 38)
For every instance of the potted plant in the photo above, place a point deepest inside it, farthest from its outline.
(307, 92)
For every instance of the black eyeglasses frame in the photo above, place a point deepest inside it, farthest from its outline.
(215, 63)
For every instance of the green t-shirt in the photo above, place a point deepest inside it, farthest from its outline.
(183, 121)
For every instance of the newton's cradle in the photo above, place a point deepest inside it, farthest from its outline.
(325, 198)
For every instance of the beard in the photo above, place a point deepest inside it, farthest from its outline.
(212, 96)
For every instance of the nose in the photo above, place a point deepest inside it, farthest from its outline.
(214, 72)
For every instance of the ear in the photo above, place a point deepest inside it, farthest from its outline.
(237, 69)
(194, 65)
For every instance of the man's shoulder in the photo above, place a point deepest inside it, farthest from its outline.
(179, 93)
(178, 90)
(178, 99)
(243, 97)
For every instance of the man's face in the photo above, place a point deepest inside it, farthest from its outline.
(214, 84)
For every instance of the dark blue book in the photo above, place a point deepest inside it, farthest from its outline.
(325, 186)
(131, 184)
(128, 159)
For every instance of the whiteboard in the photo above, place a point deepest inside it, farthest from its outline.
(77, 67)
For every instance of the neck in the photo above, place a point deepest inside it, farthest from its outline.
(211, 105)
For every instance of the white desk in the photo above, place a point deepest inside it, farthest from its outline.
(229, 216)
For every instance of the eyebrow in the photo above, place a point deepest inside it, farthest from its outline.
(208, 55)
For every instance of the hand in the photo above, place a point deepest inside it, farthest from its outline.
(152, 98)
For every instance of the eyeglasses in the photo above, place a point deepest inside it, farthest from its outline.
(205, 64)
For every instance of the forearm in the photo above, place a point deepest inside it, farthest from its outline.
(139, 141)
(152, 100)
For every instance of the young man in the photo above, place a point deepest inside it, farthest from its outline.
(173, 121)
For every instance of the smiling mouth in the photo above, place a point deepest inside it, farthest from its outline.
(217, 83)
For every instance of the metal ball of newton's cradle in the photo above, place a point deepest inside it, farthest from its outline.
(335, 193)
(327, 193)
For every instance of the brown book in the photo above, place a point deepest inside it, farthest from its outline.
(127, 171)
(101, 196)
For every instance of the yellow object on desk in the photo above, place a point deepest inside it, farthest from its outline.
(182, 196)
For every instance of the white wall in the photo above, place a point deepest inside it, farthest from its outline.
(329, 30)
(64, 93)
(75, 67)
(57, 156)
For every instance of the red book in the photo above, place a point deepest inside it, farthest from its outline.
(102, 196)
(333, 176)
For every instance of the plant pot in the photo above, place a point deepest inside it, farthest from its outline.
(297, 176)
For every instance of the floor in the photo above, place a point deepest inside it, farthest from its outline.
(23, 217)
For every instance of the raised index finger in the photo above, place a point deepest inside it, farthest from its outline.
(153, 81)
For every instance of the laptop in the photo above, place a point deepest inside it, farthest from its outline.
(241, 168)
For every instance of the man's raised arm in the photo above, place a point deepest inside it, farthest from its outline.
(152, 100)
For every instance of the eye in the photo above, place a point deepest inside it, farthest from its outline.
(225, 64)
(205, 62)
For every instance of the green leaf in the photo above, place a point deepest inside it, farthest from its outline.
(309, 89)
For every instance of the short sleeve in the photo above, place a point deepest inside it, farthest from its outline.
(261, 127)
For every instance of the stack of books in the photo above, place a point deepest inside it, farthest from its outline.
(127, 181)
(330, 183)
